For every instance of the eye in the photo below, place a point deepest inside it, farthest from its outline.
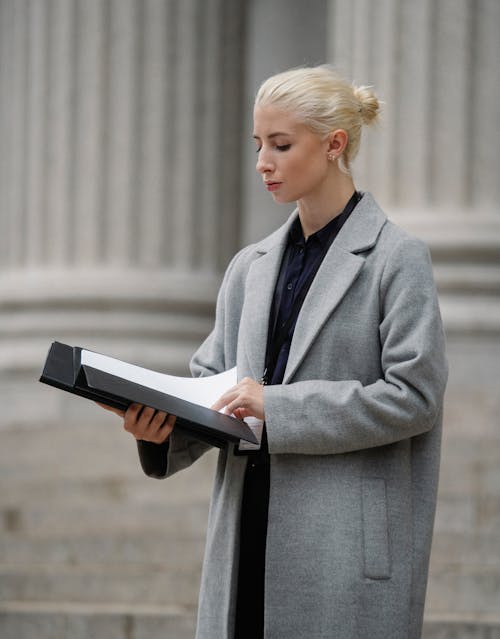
(257, 150)
(283, 147)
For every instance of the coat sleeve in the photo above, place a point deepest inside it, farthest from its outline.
(328, 417)
(180, 451)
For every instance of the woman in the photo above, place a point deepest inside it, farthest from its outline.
(326, 531)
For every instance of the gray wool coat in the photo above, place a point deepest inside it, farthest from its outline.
(354, 437)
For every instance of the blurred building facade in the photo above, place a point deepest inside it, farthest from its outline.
(127, 183)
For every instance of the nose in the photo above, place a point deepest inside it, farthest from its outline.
(264, 164)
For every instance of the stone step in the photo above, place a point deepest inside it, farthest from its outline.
(126, 548)
(102, 489)
(464, 588)
(187, 520)
(42, 620)
(461, 626)
(470, 465)
(153, 583)
(451, 588)
(74, 563)
(466, 547)
(99, 450)
(113, 501)
(19, 620)
(468, 513)
(74, 451)
(69, 450)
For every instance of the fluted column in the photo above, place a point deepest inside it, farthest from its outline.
(119, 174)
(435, 64)
(433, 162)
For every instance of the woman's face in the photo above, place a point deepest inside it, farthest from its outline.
(291, 158)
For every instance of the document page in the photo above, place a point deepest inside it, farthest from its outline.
(199, 390)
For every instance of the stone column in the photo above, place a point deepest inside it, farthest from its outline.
(434, 165)
(301, 40)
(119, 209)
(434, 161)
(119, 175)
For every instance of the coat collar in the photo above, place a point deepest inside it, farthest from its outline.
(336, 274)
(359, 233)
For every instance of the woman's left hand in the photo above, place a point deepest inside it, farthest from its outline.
(246, 399)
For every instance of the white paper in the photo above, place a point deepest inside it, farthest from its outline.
(256, 425)
(204, 391)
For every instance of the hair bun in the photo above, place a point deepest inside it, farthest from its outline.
(368, 103)
(324, 101)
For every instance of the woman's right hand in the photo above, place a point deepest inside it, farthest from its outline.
(145, 423)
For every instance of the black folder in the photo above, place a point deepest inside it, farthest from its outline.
(63, 369)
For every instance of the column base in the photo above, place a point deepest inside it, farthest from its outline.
(155, 319)
(466, 256)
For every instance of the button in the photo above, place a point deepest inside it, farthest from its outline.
(289, 286)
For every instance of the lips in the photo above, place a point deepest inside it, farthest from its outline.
(272, 186)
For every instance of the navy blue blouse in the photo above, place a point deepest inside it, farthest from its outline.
(301, 260)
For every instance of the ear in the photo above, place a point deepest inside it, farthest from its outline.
(337, 142)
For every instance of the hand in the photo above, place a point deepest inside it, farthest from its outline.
(246, 399)
(145, 423)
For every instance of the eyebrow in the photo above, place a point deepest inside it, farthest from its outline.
(272, 135)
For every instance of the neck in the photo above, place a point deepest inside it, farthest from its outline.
(317, 210)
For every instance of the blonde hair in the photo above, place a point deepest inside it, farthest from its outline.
(324, 101)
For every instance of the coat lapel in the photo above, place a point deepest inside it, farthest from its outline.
(259, 291)
(332, 281)
(335, 276)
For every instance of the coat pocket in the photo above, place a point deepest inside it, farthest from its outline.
(377, 563)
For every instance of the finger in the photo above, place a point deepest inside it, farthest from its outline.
(156, 422)
(244, 386)
(134, 409)
(238, 403)
(248, 402)
(159, 428)
(131, 417)
(241, 413)
(151, 421)
(170, 423)
(238, 413)
(223, 400)
(163, 433)
(147, 414)
(143, 424)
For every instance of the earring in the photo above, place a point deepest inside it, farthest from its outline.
(331, 157)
